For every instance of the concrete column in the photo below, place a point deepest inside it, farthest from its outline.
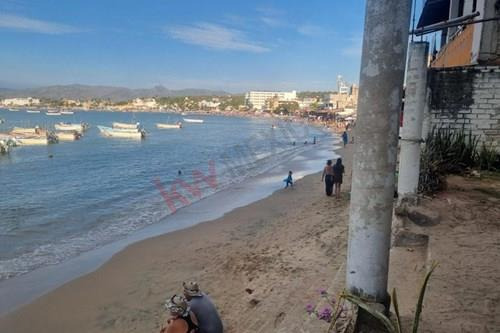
(383, 61)
(427, 123)
(413, 116)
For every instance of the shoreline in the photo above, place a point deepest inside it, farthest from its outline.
(279, 247)
(23, 289)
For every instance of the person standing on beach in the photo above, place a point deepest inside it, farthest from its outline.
(328, 177)
(208, 318)
(288, 180)
(345, 138)
(338, 172)
(182, 320)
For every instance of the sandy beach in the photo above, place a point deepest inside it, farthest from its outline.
(261, 264)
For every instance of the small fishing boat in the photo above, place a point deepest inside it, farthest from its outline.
(190, 120)
(26, 130)
(2, 121)
(68, 136)
(127, 133)
(4, 147)
(13, 110)
(80, 128)
(126, 125)
(67, 112)
(168, 126)
(36, 139)
(33, 111)
(53, 113)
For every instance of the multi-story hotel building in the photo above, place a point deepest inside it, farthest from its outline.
(257, 99)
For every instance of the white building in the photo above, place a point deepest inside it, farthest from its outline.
(257, 99)
(27, 101)
(144, 103)
(342, 86)
(209, 104)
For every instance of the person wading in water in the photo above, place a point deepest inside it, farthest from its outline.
(328, 177)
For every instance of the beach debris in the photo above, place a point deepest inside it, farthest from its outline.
(249, 291)
(254, 302)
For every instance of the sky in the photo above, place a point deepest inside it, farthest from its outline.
(230, 45)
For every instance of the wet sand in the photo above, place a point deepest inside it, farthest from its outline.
(261, 263)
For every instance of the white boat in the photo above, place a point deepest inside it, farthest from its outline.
(26, 130)
(70, 127)
(168, 126)
(122, 133)
(32, 141)
(68, 136)
(67, 112)
(190, 120)
(125, 125)
(4, 147)
(56, 113)
(32, 111)
(14, 110)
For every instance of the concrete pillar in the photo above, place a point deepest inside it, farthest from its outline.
(413, 116)
(383, 61)
(427, 123)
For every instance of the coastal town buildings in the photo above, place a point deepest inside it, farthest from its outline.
(144, 103)
(342, 86)
(20, 101)
(464, 74)
(258, 99)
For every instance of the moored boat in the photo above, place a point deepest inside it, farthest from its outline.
(33, 111)
(190, 120)
(26, 130)
(125, 125)
(68, 136)
(128, 133)
(4, 147)
(53, 113)
(168, 126)
(67, 112)
(71, 127)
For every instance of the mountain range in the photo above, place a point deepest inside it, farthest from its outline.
(115, 94)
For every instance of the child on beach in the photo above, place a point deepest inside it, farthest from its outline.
(288, 180)
(345, 138)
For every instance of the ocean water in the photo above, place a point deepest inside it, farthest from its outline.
(62, 200)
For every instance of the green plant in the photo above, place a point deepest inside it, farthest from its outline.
(390, 325)
(446, 151)
(488, 158)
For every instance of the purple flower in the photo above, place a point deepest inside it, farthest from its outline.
(322, 291)
(310, 308)
(325, 314)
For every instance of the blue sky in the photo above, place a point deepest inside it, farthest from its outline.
(233, 45)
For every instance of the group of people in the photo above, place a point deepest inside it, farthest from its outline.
(332, 176)
(192, 312)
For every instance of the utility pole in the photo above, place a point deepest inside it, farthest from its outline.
(383, 61)
(411, 133)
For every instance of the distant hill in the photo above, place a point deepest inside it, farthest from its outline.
(115, 94)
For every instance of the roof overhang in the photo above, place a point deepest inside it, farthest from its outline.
(434, 11)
